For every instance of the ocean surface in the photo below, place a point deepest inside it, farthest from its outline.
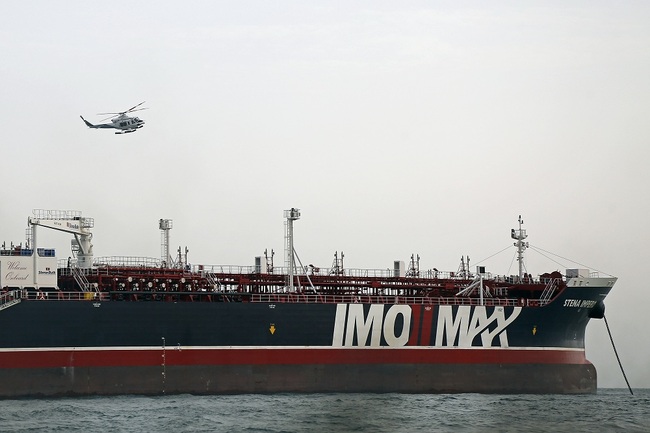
(608, 410)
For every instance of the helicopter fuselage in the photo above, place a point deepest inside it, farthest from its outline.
(127, 123)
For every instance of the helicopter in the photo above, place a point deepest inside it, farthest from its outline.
(122, 122)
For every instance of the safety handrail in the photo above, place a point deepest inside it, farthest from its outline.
(10, 298)
(271, 298)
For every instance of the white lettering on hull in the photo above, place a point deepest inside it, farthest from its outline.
(579, 303)
(369, 329)
(383, 325)
(469, 322)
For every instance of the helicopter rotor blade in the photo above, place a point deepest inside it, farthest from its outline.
(112, 115)
(134, 107)
(121, 113)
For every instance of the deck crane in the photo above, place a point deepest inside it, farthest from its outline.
(68, 222)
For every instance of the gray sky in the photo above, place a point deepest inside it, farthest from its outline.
(396, 127)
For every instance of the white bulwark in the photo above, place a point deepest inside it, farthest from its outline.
(18, 271)
(586, 278)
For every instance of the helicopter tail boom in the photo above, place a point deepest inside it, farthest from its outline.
(90, 125)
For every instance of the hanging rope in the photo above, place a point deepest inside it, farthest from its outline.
(540, 250)
(616, 353)
(498, 252)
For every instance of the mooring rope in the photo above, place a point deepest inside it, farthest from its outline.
(616, 353)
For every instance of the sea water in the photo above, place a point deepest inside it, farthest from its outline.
(607, 410)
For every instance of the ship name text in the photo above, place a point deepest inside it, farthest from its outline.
(579, 303)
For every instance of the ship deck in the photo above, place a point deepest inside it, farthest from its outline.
(144, 279)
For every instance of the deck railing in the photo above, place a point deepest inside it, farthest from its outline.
(310, 270)
(58, 295)
(374, 299)
(100, 265)
(278, 298)
(10, 298)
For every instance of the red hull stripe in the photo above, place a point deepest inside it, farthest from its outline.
(413, 340)
(123, 357)
(425, 340)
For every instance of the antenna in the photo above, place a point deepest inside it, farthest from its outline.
(337, 265)
(414, 266)
(269, 261)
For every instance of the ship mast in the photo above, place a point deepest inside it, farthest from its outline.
(291, 215)
(519, 235)
(165, 226)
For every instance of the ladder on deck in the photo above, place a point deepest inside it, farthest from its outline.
(548, 292)
(80, 278)
(10, 299)
(213, 281)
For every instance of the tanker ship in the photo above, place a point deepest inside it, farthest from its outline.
(89, 325)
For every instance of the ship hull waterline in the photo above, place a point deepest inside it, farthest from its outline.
(317, 378)
(155, 348)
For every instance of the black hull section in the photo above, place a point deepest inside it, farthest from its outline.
(50, 323)
(405, 378)
(52, 347)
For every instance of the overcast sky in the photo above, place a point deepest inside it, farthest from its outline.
(398, 128)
